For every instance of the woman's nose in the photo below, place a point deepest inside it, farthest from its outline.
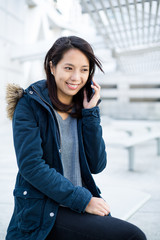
(75, 76)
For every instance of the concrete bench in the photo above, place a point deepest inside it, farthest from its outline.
(131, 142)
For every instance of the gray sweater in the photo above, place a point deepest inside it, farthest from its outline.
(70, 149)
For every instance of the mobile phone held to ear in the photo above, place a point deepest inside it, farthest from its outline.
(91, 92)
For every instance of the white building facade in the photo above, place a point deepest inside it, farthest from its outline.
(28, 28)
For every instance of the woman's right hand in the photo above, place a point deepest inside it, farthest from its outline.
(97, 206)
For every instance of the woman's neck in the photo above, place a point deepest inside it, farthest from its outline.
(65, 99)
(64, 115)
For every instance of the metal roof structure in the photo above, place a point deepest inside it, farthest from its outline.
(130, 28)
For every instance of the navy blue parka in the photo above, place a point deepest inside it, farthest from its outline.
(40, 185)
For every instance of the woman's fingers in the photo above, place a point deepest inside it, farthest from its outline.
(98, 206)
(101, 213)
(105, 207)
(96, 84)
(96, 87)
(96, 96)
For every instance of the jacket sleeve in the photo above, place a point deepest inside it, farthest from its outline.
(93, 142)
(33, 168)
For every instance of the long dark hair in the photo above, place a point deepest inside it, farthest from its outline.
(55, 54)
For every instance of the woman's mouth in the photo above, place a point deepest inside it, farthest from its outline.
(72, 86)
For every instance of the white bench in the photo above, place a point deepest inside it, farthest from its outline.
(131, 142)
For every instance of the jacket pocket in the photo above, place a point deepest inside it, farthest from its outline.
(29, 206)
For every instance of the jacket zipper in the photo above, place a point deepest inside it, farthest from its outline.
(53, 114)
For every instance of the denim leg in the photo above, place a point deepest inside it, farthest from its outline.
(70, 225)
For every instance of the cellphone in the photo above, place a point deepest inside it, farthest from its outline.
(93, 91)
(90, 91)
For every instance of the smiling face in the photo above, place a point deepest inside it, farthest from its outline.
(71, 74)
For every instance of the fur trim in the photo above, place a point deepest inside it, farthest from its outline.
(13, 94)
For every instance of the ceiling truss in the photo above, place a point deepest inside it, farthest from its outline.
(127, 26)
(125, 23)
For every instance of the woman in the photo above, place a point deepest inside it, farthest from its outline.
(58, 143)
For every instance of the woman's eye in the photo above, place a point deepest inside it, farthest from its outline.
(85, 70)
(68, 68)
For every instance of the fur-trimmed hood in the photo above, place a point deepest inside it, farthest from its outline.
(13, 93)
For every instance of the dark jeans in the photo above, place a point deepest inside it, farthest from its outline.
(70, 225)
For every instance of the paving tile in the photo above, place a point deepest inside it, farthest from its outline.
(152, 206)
(149, 222)
(5, 216)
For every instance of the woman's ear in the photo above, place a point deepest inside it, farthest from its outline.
(51, 68)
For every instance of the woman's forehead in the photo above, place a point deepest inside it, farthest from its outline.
(75, 56)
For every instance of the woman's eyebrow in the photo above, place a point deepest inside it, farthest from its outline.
(69, 64)
(85, 66)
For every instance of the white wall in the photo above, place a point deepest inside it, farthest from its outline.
(27, 30)
(11, 33)
(122, 100)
